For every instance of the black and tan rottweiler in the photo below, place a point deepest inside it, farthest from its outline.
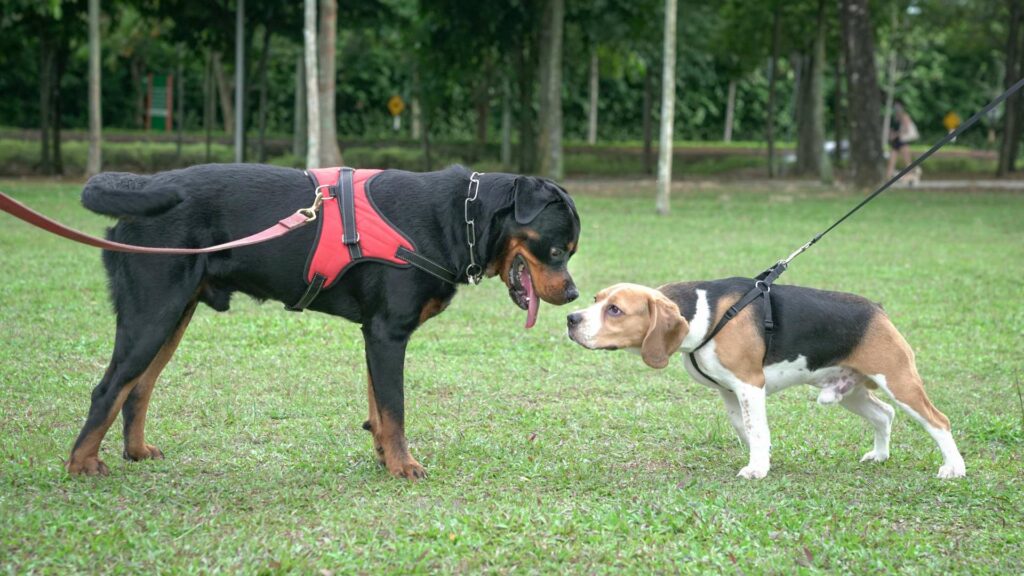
(526, 231)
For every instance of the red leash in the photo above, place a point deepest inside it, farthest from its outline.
(283, 226)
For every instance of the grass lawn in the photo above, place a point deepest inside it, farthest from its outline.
(543, 457)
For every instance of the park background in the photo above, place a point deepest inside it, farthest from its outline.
(543, 457)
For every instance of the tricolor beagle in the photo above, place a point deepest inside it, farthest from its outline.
(841, 343)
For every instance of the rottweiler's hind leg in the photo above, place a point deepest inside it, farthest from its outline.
(133, 413)
(146, 339)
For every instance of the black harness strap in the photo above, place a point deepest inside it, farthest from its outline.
(427, 265)
(311, 292)
(348, 214)
(762, 288)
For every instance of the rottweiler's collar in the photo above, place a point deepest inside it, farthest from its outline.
(474, 272)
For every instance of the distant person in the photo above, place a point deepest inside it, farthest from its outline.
(902, 131)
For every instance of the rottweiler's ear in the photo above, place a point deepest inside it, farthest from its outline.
(664, 334)
(531, 196)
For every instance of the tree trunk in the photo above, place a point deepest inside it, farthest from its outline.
(730, 111)
(668, 102)
(139, 91)
(330, 154)
(773, 68)
(415, 121)
(838, 120)
(299, 120)
(312, 86)
(417, 88)
(209, 106)
(647, 121)
(890, 75)
(227, 112)
(47, 61)
(483, 108)
(506, 124)
(549, 144)
(527, 137)
(261, 146)
(63, 53)
(594, 86)
(862, 82)
(240, 81)
(1007, 152)
(811, 114)
(180, 102)
(94, 163)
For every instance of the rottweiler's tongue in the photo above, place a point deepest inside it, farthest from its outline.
(532, 303)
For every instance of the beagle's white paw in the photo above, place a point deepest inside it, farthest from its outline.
(752, 472)
(954, 470)
(875, 456)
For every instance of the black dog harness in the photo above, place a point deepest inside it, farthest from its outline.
(762, 288)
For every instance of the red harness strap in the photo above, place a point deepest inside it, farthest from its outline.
(352, 230)
(371, 237)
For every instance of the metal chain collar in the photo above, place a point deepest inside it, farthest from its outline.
(474, 272)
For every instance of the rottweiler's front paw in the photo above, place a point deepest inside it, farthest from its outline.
(90, 466)
(147, 452)
(407, 468)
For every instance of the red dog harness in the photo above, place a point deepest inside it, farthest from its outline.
(352, 230)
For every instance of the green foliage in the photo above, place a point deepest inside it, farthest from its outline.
(543, 457)
(951, 58)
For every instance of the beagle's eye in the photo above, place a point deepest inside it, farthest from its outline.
(613, 310)
(557, 252)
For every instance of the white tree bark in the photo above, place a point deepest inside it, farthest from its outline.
(312, 88)
(330, 154)
(239, 80)
(668, 102)
(94, 163)
(592, 116)
(730, 111)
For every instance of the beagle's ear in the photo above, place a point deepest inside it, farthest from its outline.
(664, 334)
(531, 196)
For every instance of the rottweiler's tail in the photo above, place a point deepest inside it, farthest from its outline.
(120, 194)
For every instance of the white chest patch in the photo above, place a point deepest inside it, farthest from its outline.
(699, 324)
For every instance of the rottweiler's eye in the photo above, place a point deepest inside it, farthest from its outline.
(557, 252)
(613, 310)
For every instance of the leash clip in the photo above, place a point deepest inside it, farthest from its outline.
(310, 213)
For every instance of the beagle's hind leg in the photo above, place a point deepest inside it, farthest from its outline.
(880, 415)
(888, 361)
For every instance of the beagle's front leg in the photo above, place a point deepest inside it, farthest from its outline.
(755, 423)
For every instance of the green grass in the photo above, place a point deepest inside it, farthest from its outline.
(543, 457)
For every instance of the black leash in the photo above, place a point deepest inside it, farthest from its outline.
(763, 281)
